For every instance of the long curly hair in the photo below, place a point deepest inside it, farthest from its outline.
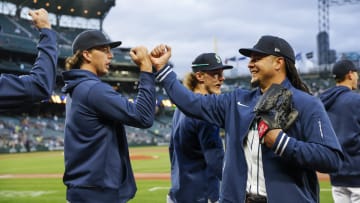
(294, 77)
(190, 81)
(74, 61)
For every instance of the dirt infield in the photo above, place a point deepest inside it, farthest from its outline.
(323, 177)
(142, 157)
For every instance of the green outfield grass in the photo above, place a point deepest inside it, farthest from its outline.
(52, 190)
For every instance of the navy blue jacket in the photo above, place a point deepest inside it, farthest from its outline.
(290, 166)
(39, 83)
(343, 107)
(196, 154)
(96, 149)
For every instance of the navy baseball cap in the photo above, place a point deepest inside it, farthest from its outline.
(342, 67)
(208, 61)
(90, 39)
(271, 45)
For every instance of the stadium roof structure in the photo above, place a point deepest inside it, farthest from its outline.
(97, 9)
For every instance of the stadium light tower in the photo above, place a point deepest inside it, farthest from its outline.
(325, 55)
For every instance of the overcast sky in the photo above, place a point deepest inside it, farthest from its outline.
(192, 27)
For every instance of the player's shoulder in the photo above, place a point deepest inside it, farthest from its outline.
(234, 96)
(354, 95)
(99, 84)
(305, 99)
(243, 92)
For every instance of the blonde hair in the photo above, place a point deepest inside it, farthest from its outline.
(190, 81)
(74, 61)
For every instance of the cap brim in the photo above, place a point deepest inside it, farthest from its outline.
(110, 44)
(249, 51)
(115, 44)
(227, 67)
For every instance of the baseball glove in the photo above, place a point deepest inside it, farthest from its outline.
(274, 110)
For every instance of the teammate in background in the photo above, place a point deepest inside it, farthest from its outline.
(196, 149)
(39, 83)
(343, 108)
(281, 167)
(97, 163)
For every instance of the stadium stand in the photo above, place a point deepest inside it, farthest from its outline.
(68, 34)
(10, 25)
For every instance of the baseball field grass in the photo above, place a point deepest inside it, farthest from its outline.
(37, 177)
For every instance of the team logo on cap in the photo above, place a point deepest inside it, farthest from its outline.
(218, 59)
(277, 49)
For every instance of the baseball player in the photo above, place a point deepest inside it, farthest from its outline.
(271, 155)
(196, 149)
(39, 83)
(97, 163)
(342, 106)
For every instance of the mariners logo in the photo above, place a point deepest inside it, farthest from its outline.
(218, 59)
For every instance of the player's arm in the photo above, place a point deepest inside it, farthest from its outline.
(40, 82)
(312, 144)
(210, 108)
(141, 57)
(317, 149)
(139, 113)
(109, 103)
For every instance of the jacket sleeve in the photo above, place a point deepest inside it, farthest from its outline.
(317, 148)
(39, 83)
(211, 145)
(109, 103)
(209, 108)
